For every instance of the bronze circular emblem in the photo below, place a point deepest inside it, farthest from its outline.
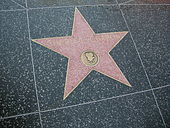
(89, 58)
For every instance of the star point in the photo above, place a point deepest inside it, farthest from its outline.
(86, 51)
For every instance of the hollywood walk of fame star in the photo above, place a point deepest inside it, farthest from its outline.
(86, 51)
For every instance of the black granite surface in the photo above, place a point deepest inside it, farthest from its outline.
(21, 2)
(28, 121)
(98, 102)
(136, 111)
(54, 3)
(145, 1)
(123, 1)
(17, 91)
(163, 98)
(9, 5)
(149, 26)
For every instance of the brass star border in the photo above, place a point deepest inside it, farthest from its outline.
(84, 39)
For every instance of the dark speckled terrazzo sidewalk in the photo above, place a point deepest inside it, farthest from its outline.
(32, 77)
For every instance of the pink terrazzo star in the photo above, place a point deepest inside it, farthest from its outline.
(84, 39)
